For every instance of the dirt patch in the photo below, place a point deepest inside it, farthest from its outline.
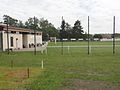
(77, 84)
(17, 74)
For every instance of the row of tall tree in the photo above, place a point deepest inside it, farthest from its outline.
(48, 28)
(74, 32)
(41, 24)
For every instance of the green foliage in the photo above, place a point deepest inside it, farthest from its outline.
(77, 30)
(20, 24)
(42, 24)
(100, 65)
(98, 36)
(11, 21)
(32, 23)
(72, 32)
(48, 29)
(67, 33)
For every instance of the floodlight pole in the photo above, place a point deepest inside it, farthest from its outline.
(88, 38)
(63, 27)
(8, 37)
(114, 35)
(62, 46)
(34, 38)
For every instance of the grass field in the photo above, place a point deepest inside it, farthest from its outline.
(71, 71)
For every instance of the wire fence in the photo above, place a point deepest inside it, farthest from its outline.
(84, 49)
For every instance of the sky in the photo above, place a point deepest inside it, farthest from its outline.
(101, 12)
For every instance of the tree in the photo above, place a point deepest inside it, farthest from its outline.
(85, 36)
(77, 30)
(20, 24)
(31, 24)
(68, 30)
(99, 36)
(34, 23)
(73, 32)
(52, 31)
(48, 29)
(62, 31)
(11, 21)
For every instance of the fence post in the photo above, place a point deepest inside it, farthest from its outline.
(90, 49)
(114, 35)
(68, 49)
(42, 64)
(28, 72)
(88, 37)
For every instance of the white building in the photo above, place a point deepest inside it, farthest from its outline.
(19, 38)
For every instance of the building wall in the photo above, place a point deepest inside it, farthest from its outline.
(17, 41)
(105, 39)
(0, 40)
(25, 42)
(39, 39)
(30, 39)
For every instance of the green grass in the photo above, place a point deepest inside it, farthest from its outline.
(100, 65)
(84, 43)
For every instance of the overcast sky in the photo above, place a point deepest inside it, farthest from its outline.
(101, 12)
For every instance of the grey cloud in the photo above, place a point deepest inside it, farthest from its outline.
(100, 11)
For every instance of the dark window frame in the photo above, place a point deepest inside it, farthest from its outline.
(11, 41)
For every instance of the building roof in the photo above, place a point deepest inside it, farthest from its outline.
(3, 27)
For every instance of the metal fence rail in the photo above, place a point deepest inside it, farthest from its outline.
(85, 46)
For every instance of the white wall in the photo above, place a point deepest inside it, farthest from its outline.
(105, 39)
(29, 39)
(0, 41)
(25, 43)
(16, 43)
(39, 39)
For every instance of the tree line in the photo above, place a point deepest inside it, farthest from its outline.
(41, 24)
(48, 29)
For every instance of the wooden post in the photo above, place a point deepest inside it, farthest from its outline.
(88, 37)
(42, 64)
(63, 27)
(62, 47)
(68, 49)
(114, 35)
(28, 72)
(34, 37)
(8, 38)
(90, 49)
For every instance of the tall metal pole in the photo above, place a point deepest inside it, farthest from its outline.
(8, 38)
(62, 46)
(114, 35)
(88, 38)
(62, 26)
(34, 37)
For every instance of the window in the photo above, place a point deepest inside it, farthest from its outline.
(11, 41)
(13, 31)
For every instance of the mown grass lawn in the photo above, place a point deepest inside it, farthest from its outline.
(77, 43)
(100, 65)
